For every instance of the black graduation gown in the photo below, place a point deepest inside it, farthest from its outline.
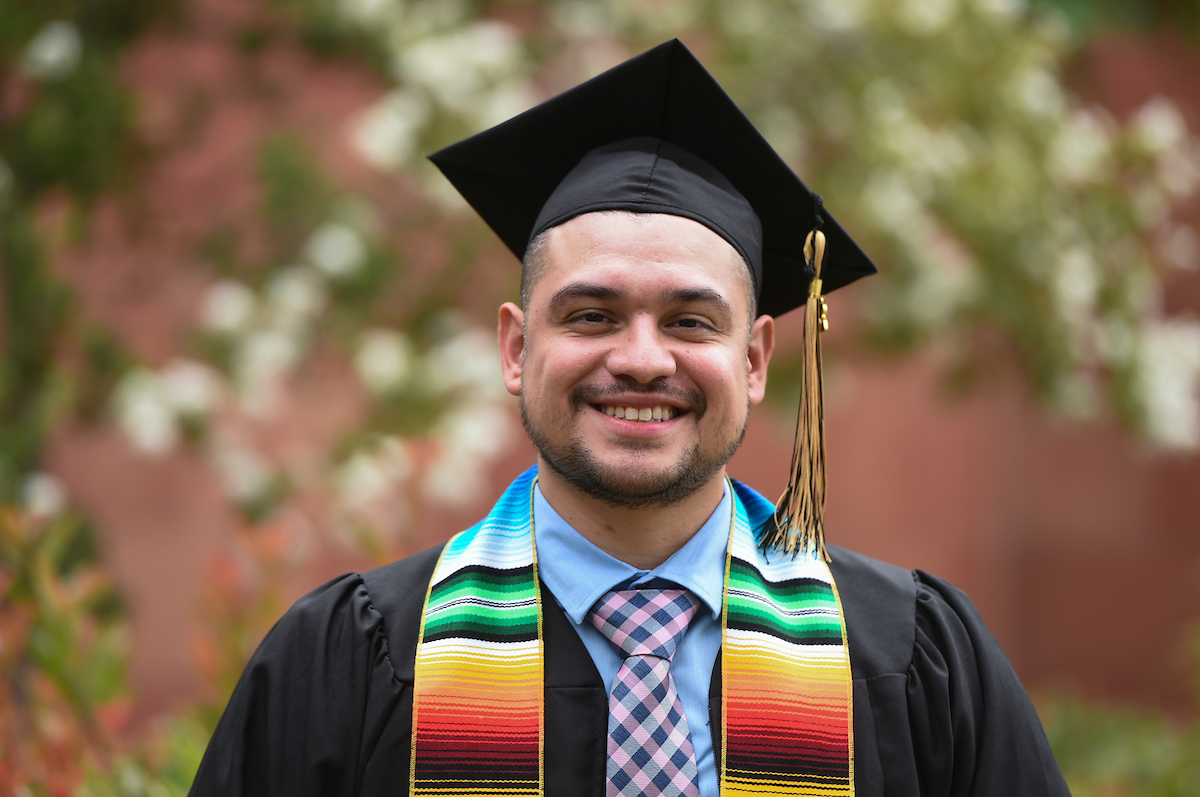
(325, 705)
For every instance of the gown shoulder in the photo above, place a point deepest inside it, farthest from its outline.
(937, 705)
(308, 709)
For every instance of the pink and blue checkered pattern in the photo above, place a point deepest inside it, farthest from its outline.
(649, 747)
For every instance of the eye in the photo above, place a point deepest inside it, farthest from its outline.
(691, 322)
(589, 317)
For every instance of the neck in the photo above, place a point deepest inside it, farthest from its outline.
(644, 537)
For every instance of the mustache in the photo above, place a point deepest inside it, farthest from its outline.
(692, 400)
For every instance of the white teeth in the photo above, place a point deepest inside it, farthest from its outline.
(643, 415)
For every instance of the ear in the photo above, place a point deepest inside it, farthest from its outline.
(511, 335)
(762, 344)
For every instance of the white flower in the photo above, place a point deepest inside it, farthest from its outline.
(228, 307)
(369, 475)
(366, 12)
(476, 430)
(1039, 92)
(383, 360)
(454, 481)
(470, 436)
(336, 249)
(582, 19)
(386, 135)
(54, 52)
(891, 201)
(360, 480)
(469, 360)
(1005, 9)
(835, 16)
(503, 102)
(1076, 283)
(459, 67)
(1080, 151)
(1179, 170)
(924, 17)
(191, 388)
(1158, 125)
(1168, 375)
(1180, 247)
(267, 351)
(785, 130)
(245, 474)
(144, 412)
(1114, 339)
(260, 363)
(295, 296)
(43, 495)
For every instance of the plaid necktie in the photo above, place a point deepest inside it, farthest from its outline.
(649, 747)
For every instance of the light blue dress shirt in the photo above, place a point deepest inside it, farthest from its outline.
(578, 574)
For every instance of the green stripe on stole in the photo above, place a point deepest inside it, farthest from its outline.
(478, 704)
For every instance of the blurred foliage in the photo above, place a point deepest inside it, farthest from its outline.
(64, 697)
(65, 127)
(1091, 17)
(296, 196)
(1113, 752)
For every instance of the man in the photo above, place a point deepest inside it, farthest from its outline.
(627, 620)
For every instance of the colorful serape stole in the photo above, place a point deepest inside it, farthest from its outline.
(787, 704)
(478, 705)
(478, 702)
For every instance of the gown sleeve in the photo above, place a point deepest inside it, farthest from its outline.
(974, 731)
(304, 716)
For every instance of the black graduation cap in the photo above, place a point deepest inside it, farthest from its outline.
(662, 114)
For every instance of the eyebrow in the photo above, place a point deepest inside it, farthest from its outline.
(606, 293)
(582, 290)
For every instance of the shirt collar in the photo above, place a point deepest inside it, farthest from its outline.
(579, 573)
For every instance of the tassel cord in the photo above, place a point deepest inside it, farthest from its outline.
(799, 519)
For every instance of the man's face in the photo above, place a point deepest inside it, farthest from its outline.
(638, 364)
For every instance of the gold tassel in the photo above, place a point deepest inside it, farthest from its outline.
(798, 525)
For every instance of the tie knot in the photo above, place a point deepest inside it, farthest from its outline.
(644, 622)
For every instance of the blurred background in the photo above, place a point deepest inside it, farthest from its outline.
(246, 333)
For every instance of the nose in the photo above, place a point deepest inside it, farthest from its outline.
(641, 353)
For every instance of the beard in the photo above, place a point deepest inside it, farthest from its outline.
(626, 487)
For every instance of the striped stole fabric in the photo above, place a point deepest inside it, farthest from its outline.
(478, 704)
(787, 704)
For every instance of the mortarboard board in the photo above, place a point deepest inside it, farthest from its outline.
(509, 172)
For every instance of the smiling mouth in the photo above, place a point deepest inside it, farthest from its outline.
(640, 414)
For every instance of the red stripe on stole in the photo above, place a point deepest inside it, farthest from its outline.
(832, 737)
(465, 749)
(435, 712)
(747, 713)
(826, 745)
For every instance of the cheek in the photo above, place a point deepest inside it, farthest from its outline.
(721, 375)
(565, 361)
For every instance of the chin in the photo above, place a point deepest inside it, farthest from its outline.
(631, 484)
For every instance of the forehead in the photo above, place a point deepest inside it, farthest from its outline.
(646, 250)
